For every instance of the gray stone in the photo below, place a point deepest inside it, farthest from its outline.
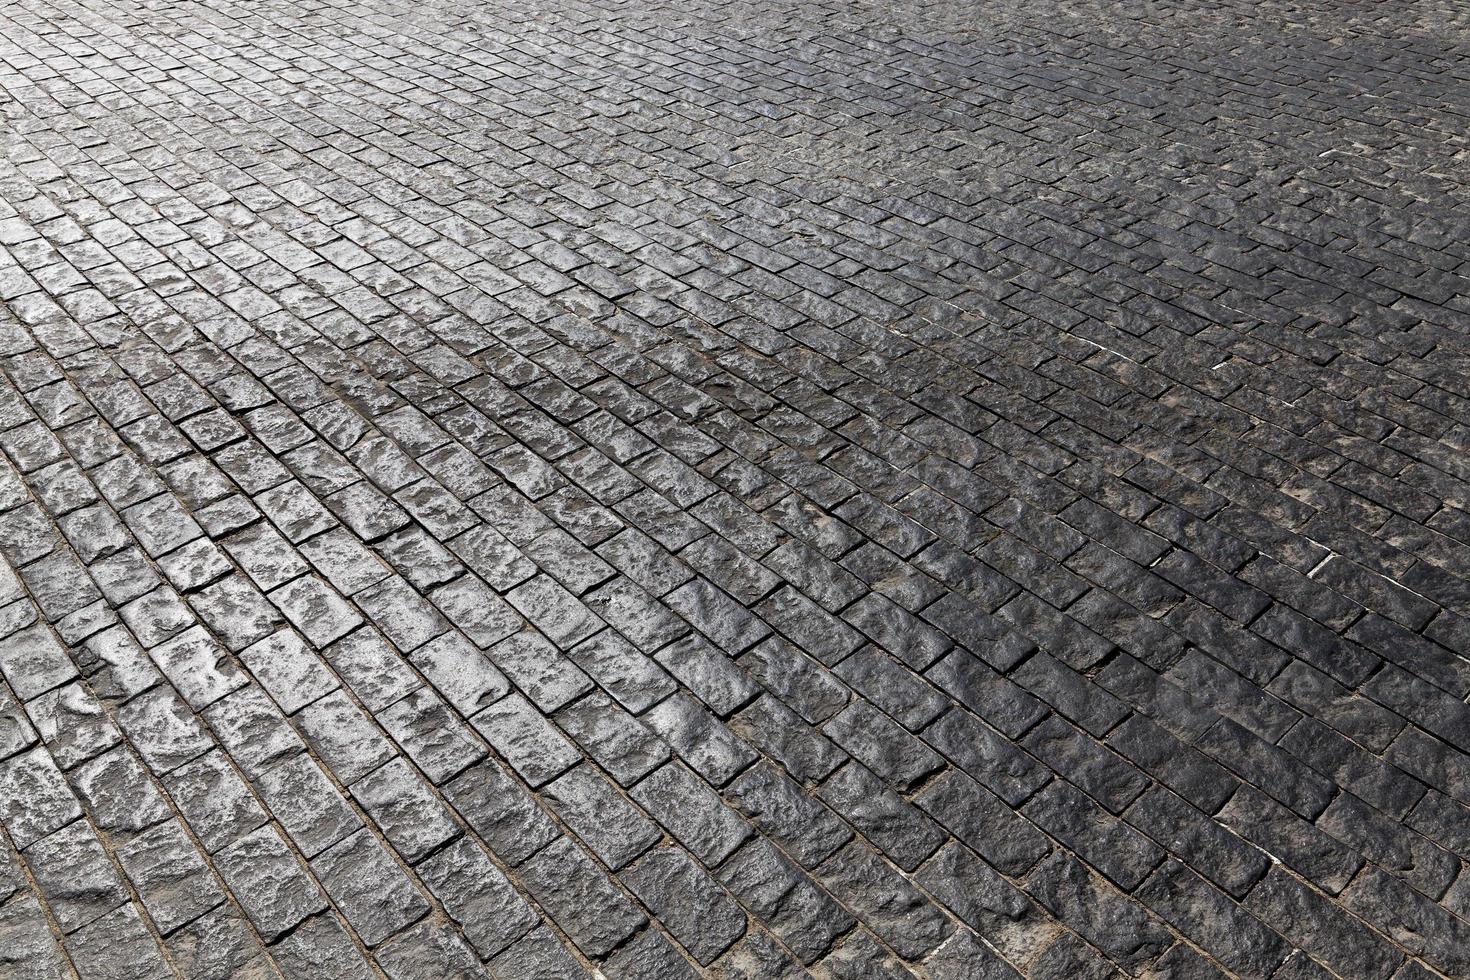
(580, 898)
(169, 875)
(402, 806)
(291, 673)
(268, 881)
(75, 876)
(214, 800)
(33, 661)
(698, 912)
(477, 895)
(34, 798)
(373, 893)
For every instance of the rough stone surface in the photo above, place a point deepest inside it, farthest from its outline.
(635, 489)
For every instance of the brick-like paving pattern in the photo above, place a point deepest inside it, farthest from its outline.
(647, 489)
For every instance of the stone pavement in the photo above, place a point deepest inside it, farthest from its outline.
(646, 489)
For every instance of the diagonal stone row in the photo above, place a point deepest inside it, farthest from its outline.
(645, 490)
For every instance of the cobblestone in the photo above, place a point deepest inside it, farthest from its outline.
(598, 488)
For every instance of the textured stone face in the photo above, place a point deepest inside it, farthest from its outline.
(646, 490)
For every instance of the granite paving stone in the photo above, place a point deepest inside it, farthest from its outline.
(650, 490)
(170, 876)
(375, 895)
(477, 895)
(74, 875)
(30, 950)
(118, 945)
(319, 947)
(268, 881)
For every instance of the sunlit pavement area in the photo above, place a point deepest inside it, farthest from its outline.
(647, 490)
